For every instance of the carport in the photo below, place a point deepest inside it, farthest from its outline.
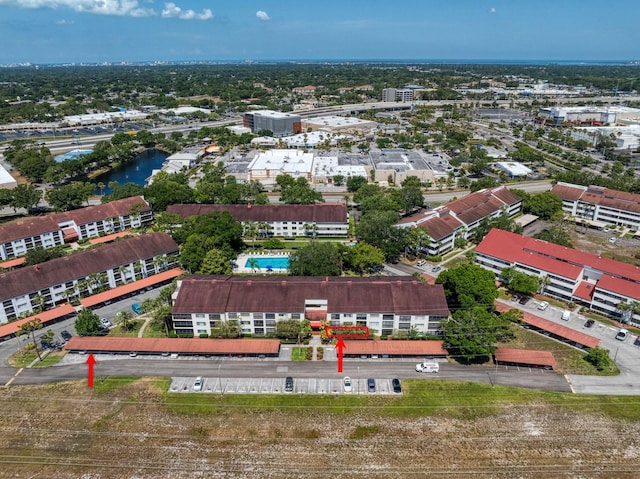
(9, 330)
(362, 348)
(524, 357)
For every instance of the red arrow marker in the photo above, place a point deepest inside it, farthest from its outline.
(90, 361)
(340, 346)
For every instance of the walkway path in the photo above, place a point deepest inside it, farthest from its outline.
(314, 342)
(147, 319)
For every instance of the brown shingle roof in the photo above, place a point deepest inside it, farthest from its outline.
(79, 265)
(525, 356)
(25, 228)
(399, 295)
(318, 213)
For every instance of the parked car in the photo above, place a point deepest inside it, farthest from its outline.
(288, 384)
(566, 315)
(524, 300)
(198, 383)
(371, 385)
(613, 240)
(542, 306)
(622, 334)
(136, 308)
(436, 269)
(395, 384)
(105, 323)
(421, 263)
(589, 323)
(428, 367)
(66, 335)
(347, 384)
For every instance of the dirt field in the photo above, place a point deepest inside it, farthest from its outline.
(68, 431)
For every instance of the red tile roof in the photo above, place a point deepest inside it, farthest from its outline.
(525, 356)
(12, 263)
(567, 192)
(516, 248)
(111, 237)
(394, 348)
(130, 287)
(44, 317)
(25, 228)
(620, 286)
(556, 329)
(318, 213)
(615, 199)
(399, 295)
(585, 291)
(80, 265)
(174, 345)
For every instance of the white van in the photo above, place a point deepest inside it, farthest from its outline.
(566, 315)
(428, 367)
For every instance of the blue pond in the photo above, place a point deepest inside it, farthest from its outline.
(276, 262)
(136, 171)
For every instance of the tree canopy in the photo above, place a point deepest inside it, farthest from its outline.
(87, 323)
(316, 259)
(469, 286)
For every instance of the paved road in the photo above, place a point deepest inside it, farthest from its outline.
(267, 368)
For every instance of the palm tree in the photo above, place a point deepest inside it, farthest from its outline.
(253, 264)
(123, 319)
(251, 231)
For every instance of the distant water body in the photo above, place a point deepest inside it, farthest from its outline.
(136, 171)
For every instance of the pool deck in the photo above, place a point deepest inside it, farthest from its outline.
(242, 260)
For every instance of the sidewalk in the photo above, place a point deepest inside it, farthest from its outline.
(314, 342)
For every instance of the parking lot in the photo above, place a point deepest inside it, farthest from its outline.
(277, 386)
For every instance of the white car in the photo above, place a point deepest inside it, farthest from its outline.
(622, 335)
(428, 367)
(542, 306)
(347, 384)
(105, 323)
(198, 383)
(421, 263)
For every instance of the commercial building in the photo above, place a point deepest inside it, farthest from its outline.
(266, 166)
(397, 94)
(280, 124)
(6, 180)
(18, 237)
(256, 304)
(60, 280)
(513, 169)
(568, 274)
(322, 220)
(600, 206)
(399, 163)
(459, 218)
(339, 124)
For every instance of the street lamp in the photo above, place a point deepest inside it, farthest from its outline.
(220, 379)
(358, 380)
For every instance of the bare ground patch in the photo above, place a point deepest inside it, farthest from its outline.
(67, 431)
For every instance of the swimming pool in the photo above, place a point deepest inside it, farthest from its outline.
(264, 262)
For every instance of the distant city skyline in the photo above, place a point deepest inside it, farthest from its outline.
(114, 31)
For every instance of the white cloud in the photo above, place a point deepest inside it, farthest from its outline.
(262, 15)
(64, 22)
(492, 10)
(171, 10)
(120, 8)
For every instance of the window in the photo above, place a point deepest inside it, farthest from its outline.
(335, 316)
(295, 315)
(270, 316)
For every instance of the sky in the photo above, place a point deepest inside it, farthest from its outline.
(77, 31)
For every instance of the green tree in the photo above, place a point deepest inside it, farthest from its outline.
(227, 329)
(71, 196)
(378, 229)
(520, 282)
(418, 240)
(355, 182)
(87, 323)
(297, 191)
(29, 328)
(338, 180)
(40, 255)
(124, 319)
(468, 286)
(167, 190)
(599, 358)
(544, 205)
(291, 329)
(25, 196)
(316, 259)
(362, 257)
(215, 262)
(472, 334)
(555, 234)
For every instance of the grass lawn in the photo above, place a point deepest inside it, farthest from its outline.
(131, 333)
(155, 329)
(299, 353)
(569, 360)
(52, 358)
(459, 261)
(22, 358)
(421, 398)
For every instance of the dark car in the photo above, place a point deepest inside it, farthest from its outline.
(371, 385)
(395, 384)
(288, 384)
(66, 335)
(524, 300)
(589, 323)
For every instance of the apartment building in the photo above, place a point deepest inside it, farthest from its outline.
(60, 280)
(397, 94)
(600, 206)
(20, 236)
(256, 304)
(321, 220)
(568, 274)
(459, 218)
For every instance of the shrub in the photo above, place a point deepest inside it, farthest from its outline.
(599, 357)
